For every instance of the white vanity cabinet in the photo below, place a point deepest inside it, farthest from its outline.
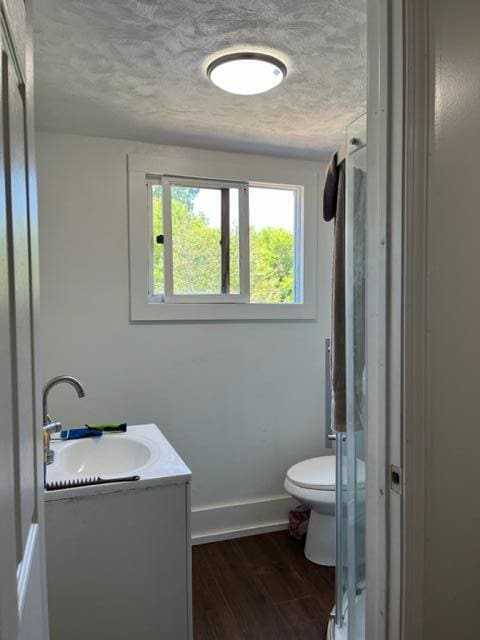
(119, 556)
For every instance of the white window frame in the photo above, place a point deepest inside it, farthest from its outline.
(208, 168)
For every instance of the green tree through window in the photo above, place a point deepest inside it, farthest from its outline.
(196, 254)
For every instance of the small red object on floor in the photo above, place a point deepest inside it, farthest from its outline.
(298, 522)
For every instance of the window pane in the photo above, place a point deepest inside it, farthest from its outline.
(196, 234)
(157, 211)
(272, 244)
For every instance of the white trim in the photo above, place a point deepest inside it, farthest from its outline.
(168, 244)
(244, 242)
(395, 329)
(240, 169)
(150, 182)
(200, 298)
(299, 259)
(202, 183)
(138, 242)
(231, 167)
(378, 123)
(151, 311)
(244, 532)
(399, 106)
(234, 519)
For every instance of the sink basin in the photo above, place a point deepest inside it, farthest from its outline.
(104, 456)
(142, 451)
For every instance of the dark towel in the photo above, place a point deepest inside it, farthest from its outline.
(335, 194)
(330, 190)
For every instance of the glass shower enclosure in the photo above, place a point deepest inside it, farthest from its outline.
(349, 615)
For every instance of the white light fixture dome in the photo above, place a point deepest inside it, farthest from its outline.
(246, 73)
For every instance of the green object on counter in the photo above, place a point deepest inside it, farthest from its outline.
(108, 427)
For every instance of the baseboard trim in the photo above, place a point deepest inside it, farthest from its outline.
(230, 534)
(224, 521)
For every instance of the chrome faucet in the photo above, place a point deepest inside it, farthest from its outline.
(49, 425)
(48, 429)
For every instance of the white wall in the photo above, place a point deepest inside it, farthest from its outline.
(452, 593)
(240, 401)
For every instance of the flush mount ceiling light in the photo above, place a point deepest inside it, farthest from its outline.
(246, 73)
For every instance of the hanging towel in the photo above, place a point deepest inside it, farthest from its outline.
(334, 207)
(330, 190)
(359, 294)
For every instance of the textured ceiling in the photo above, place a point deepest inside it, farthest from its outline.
(135, 70)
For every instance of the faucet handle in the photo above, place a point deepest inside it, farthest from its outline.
(52, 427)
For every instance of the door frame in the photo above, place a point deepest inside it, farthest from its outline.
(399, 106)
(418, 110)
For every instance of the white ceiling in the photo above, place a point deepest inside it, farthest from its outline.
(131, 69)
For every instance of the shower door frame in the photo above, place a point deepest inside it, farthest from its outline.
(382, 586)
(399, 105)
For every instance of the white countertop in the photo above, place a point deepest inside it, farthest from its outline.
(164, 466)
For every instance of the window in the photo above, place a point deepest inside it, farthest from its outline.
(219, 248)
(275, 244)
(223, 242)
(196, 250)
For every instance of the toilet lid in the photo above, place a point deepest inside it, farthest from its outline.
(315, 473)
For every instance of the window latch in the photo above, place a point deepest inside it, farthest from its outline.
(160, 239)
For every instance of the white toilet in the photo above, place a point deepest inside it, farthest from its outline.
(312, 482)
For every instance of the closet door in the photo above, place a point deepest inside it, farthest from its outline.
(23, 610)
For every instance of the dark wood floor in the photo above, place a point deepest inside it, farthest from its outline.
(260, 588)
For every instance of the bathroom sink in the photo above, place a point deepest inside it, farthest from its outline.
(142, 451)
(108, 455)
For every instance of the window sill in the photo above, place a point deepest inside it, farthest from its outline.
(167, 312)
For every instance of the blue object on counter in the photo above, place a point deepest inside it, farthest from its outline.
(76, 434)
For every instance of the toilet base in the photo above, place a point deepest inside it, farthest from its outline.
(320, 544)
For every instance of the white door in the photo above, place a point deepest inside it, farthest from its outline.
(23, 609)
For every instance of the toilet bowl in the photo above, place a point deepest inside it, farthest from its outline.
(312, 482)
